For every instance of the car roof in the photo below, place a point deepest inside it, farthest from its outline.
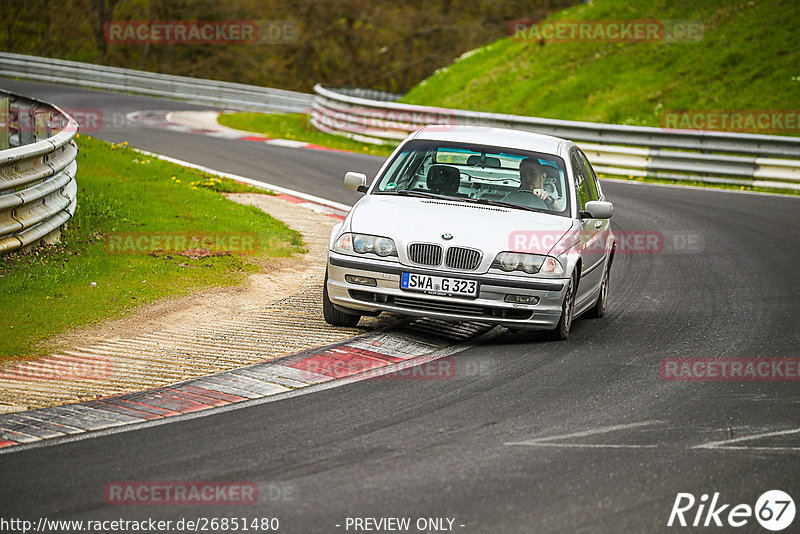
(484, 135)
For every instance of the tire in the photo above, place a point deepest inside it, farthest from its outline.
(599, 308)
(333, 316)
(561, 331)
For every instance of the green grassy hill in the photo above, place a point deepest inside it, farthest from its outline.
(748, 58)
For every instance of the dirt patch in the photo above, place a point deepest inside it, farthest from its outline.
(277, 311)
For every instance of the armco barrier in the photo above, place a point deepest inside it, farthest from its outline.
(37, 171)
(195, 90)
(707, 156)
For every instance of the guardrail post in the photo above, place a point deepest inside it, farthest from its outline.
(4, 123)
(55, 122)
(25, 125)
(41, 127)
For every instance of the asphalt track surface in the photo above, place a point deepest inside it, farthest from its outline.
(575, 436)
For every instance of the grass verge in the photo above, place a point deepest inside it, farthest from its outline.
(115, 254)
(746, 59)
(296, 127)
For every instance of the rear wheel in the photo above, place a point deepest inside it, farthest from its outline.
(561, 331)
(599, 308)
(333, 316)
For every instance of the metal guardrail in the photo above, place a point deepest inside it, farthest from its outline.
(707, 156)
(195, 90)
(38, 192)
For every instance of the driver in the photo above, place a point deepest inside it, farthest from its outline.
(531, 180)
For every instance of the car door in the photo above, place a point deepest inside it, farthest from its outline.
(591, 250)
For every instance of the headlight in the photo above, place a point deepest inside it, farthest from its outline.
(366, 244)
(384, 247)
(508, 261)
(362, 244)
(529, 263)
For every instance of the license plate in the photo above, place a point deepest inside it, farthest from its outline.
(439, 285)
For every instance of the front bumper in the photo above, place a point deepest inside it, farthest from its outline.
(489, 306)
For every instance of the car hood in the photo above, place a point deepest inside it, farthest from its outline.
(491, 229)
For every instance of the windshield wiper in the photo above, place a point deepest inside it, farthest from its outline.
(492, 202)
(423, 194)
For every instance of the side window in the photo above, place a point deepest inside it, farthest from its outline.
(594, 186)
(581, 180)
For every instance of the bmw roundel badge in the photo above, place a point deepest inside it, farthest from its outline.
(447, 236)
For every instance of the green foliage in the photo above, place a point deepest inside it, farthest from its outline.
(387, 45)
(747, 60)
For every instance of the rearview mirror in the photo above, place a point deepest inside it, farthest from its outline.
(356, 181)
(599, 209)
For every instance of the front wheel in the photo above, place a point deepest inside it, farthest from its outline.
(333, 316)
(561, 331)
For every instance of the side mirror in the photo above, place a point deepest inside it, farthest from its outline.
(356, 181)
(599, 209)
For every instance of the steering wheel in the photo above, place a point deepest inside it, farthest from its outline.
(527, 198)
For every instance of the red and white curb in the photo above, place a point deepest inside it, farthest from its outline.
(202, 126)
(416, 350)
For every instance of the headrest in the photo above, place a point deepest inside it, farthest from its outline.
(551, 171)
(443, 179)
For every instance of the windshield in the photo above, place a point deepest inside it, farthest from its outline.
(478, 173)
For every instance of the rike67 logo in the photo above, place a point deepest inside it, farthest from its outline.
(774, 510)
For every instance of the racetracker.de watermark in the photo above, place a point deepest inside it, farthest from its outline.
(741, 120)
(193, 32)
(173, 493)
(180, 242)
(606, 31)
(361, 364)
(87, 120)
(365, 120)
(730, 369)
(313, 366)
(57, 368)
(626, 241)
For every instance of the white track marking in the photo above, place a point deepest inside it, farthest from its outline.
(725, 443)
(548, 440)
(740, 448)
(276, 188)
(583, 445)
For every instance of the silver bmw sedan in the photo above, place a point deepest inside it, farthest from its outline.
(474, 223)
